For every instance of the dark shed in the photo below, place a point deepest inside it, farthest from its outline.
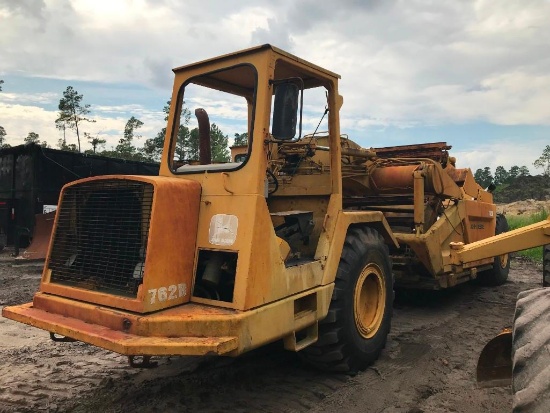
(31, 178)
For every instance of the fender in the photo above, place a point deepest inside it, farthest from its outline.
(373, 219)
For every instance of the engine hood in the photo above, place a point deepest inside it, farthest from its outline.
(126, 242)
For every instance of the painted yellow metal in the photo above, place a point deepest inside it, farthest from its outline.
(340, 222)
(530, 236)
(191, 329)
(241, 192)
(173, 222)
(369, 300)
(118, 340)
(265, 288)
(431, 246)
(503, 260)
(277, 246)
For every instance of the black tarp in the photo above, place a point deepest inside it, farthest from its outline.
(32, 176)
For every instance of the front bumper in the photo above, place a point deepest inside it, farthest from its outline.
(188, 329)
(119, 341)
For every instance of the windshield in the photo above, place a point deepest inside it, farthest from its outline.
(215, 119)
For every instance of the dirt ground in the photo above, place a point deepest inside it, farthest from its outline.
(428, 365)
(525, 207)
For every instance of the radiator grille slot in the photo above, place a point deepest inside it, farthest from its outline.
(101, 236)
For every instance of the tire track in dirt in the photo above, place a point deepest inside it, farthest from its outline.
(428, 366)
(37, 373)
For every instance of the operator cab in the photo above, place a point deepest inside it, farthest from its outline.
(289, 114)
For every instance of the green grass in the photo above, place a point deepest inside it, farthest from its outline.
(518, 221)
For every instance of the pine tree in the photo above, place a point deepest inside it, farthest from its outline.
(72, 112)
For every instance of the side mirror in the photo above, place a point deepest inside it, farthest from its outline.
(285, 111)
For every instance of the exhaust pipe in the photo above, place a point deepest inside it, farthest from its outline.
(205, 152)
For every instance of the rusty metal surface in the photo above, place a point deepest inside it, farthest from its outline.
(457, 175)
(118, 341)
(205, 150)
(190, 329)
(173, 222)
(41, 237)
(436, 151)
(387, 177)
(217, 212)
(395, 179)
(169, 322)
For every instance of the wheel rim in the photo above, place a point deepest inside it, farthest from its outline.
(503, 259)
(369, 300)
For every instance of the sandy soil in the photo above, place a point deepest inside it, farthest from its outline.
(526, 207)
(428, 365)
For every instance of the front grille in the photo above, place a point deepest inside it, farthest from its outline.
(100, 241)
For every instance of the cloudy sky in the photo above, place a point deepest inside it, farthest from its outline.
(473, 73)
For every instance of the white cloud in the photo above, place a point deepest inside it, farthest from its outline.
(507, 154)
(423, 63)
(29, 98)
(404, 64)
(19, 120)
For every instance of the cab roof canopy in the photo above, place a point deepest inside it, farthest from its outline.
(287, 67)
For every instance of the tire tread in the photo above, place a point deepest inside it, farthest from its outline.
(531, 352)
(331, 352)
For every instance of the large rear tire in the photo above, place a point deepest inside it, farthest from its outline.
(531, 352)
(358, 322)
(501, 264)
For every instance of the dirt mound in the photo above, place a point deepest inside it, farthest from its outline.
(526, 207)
